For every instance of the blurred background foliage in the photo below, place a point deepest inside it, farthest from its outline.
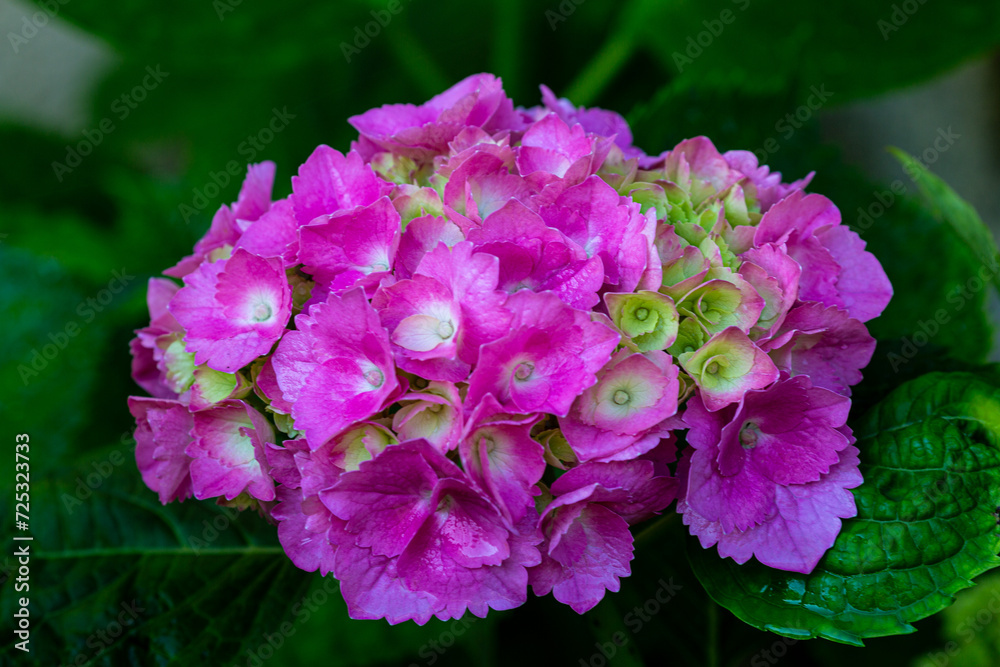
(731, 70)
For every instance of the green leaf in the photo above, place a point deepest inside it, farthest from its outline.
(926, 524)
(121, 580)
(947, 206)
(51, 342)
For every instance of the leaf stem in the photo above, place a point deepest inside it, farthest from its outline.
(713, 634)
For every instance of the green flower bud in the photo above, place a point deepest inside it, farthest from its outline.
(649, 319)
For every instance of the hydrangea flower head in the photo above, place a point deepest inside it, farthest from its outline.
(457, 361)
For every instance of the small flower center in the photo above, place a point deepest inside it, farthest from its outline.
(434, 407)
(374, 377)
(749, 434)
(621, 397)
(524, 371)
(445, 504)
(445, 329)
(261, 312)
(641, 314)
(712, 368)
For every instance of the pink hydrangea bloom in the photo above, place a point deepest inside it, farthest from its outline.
(551, 354)
(457, 361)
(445, 540)
(753, 464)
(162, 434)
(588, 546)
(336, 367)
(228, 452)
(233, 310)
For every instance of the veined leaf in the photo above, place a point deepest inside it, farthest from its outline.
(947, 206)
(926, 524)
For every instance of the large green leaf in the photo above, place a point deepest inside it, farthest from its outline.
(948, 207)
(122, 580)
(926, 524)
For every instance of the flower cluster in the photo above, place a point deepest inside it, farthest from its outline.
(459, 360)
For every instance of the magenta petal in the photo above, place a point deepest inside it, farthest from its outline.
(349, 246)
(804, 522)
(507, 462)
(824, 343)
(162, 435)
(308, 550)
(632, 489)
(274, 234)
(465, 531)
(329, 182)
(593, 548)
(336, 368)
(372, 589)
(229, 452)
(386, 501)
(233, 310)
(862, 283)
(423, 131)
(550, 356)
(799, 214)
